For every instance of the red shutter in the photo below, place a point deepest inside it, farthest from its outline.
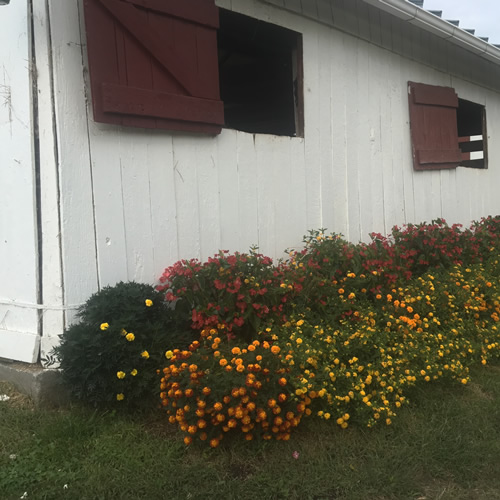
(433, 123)
(153, 63)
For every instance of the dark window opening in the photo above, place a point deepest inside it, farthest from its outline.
(471, 124)
(260, 74)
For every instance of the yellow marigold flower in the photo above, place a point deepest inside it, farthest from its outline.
(123, 332)
(300, 322)
(133, 372)
(169, 354)
(464, 381)
(351, 296)
(130, 337)
(145, 354)
(120, 397)
(148, 303)
(120, 374)
(326, 416)
(299, 341)
(104, 326)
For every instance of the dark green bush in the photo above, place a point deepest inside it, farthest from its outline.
(112, 355)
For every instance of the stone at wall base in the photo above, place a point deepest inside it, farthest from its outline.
(43, 386)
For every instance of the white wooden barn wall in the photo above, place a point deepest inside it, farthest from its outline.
(19, 336)
(134, 201)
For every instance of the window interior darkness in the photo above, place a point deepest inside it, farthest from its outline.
(260, 75)
(471, 122)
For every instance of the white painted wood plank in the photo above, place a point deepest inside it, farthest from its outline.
(19, 335)
(248, 187)
(19, 345)
(298, 195)
(186, 189)
(354, 116)
(51, 271)
(373, 90)
(325, 128)
(228, 175)
(136, 197)
(395, 140)
(109, 203)
(160, 163)
(312, 100)
(77, 228)
(339, 109)
(268, 154)
(208, 195)
(369, 200)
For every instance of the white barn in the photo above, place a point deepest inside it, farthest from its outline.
(134, 133)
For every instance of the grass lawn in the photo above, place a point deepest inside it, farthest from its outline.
(446, 445)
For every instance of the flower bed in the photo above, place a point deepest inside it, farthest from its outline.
(342, 332)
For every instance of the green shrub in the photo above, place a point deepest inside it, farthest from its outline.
(112, 355)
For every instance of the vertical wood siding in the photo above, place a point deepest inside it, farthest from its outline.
(135, 201)
(19, 335)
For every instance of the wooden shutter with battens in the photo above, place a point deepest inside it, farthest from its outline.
(153, 63)
(433, 123)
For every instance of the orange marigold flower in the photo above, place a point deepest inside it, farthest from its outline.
(282, 381)
(275, 349)
(341, 291)
(251, 348)
(236, 350)
(188, 440)
(218, 406)
(240, 368)
(265, 344)
(378, 296)
(214, 443)
(206, 391)
(223, 362)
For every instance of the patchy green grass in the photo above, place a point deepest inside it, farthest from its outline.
(445, 446)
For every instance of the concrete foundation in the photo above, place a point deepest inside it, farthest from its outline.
(43, 386)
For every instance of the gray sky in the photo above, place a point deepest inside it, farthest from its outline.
(483, 15)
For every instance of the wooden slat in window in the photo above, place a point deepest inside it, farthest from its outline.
(433, 123)
(157, 50)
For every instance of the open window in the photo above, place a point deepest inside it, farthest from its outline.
(446, 131)
(260, 72)
(156, 64)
